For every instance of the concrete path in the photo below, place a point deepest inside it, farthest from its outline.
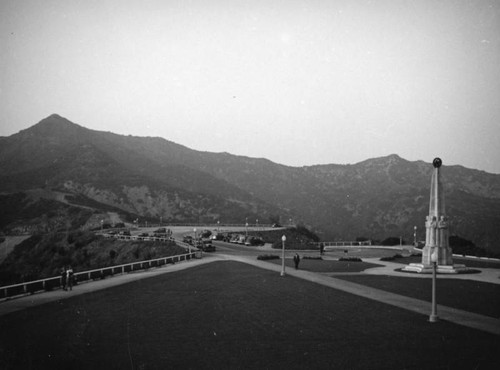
(460, 317)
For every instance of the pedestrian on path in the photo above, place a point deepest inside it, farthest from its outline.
(296, 260)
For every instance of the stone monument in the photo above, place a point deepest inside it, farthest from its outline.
(436, 232)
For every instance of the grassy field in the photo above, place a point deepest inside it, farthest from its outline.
(472, 263)
(468, 295)
(326, 265)
(228, 315)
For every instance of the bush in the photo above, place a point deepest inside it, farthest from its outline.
(265, 257)
(391, 258)
(350, 259)
(312, 258)
(392, 240)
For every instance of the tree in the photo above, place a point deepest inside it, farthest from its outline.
(274, 219)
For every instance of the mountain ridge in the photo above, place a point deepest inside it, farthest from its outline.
(384, 196)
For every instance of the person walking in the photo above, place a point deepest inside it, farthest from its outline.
(296, 260)
(63, 278)
(321, 249)
(69, 278)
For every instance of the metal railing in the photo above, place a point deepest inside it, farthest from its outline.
(345, 243)
(31, 287)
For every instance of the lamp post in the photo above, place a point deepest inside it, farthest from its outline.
(246, 230)
(102, 224)
(194, 231)
(434, 257)
(283, 239)
(161, 219)
(218, 226)
(414, 236)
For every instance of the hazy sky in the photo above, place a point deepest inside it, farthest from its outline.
(299, 82)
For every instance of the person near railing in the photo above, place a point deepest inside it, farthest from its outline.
(63, 278)
(69, 278)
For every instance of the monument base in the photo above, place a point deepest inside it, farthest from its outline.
(444, 255)
(440, 269)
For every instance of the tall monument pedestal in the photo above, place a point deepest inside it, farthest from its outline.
(437, 249)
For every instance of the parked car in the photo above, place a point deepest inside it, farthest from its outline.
(208, 248)
(206, 233)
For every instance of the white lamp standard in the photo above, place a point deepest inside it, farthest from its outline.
(218, 226)
(283, 240)
(194, 230)
(102, 224)
(246, 230)
(434, 257)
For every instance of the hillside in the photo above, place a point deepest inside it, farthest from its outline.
(152, 177)
(42, 256)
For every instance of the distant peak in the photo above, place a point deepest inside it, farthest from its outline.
(54, 126)
(55, 118)
(393, 156)
(54, 115)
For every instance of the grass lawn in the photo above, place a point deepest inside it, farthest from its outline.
(326, 265)
(229, 315)
(468, 295)
(456, 260)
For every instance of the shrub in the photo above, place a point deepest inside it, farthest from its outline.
(312, 258)
(392, 240)
(391, 258)
(265, 257)
(350, 259)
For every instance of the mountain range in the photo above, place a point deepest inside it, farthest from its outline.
(67, 165)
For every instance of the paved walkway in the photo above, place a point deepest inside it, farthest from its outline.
(460, 317)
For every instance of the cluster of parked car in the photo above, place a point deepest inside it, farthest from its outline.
(159, 234)
(246, 240)
(205, 244)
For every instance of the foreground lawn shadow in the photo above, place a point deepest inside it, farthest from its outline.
(229, 315)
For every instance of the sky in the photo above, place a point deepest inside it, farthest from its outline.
(299, 82)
